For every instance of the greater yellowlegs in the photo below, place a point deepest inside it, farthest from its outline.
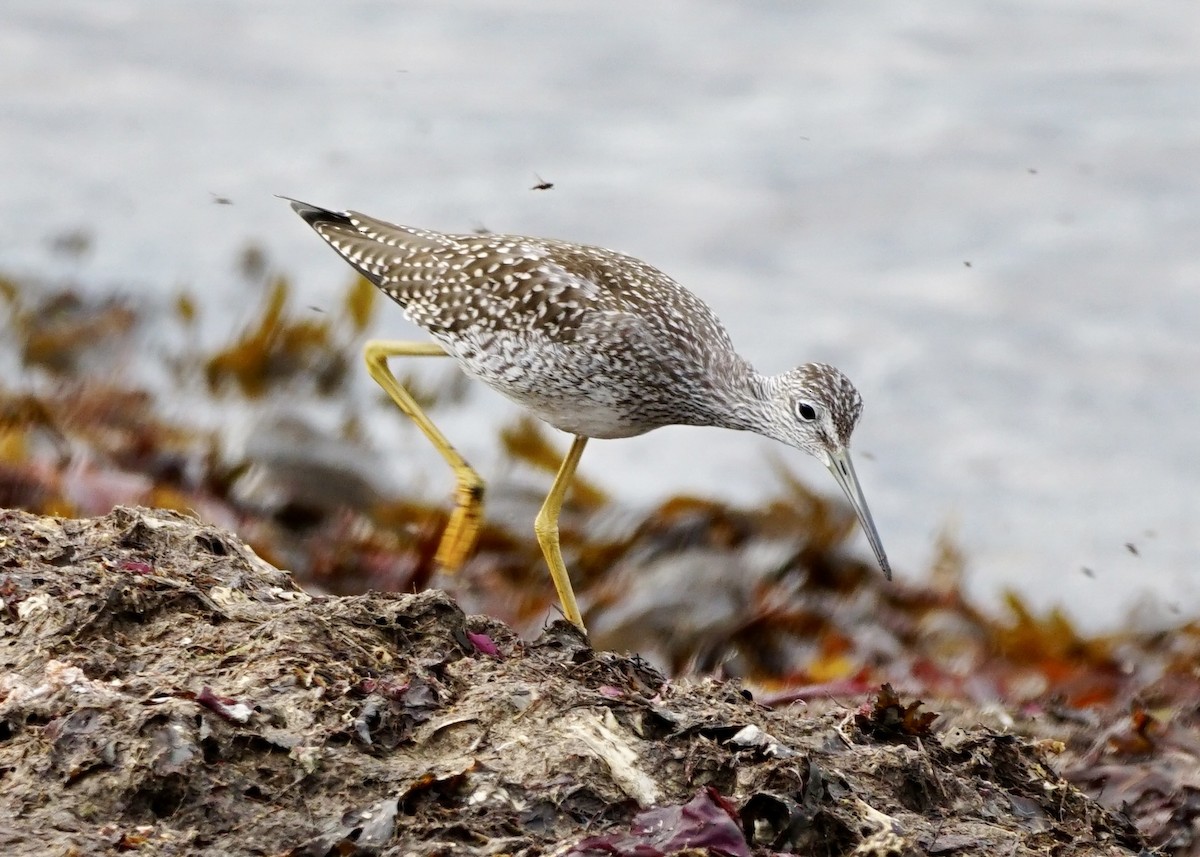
(595, 343)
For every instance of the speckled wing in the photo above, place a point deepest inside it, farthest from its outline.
(451, 283)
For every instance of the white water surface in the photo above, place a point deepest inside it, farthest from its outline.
(988, 215)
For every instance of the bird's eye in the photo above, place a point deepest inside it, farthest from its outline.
(806, 411)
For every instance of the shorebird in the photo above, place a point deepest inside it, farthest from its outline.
(593, 342)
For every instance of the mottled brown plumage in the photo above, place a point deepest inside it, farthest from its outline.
(594, 342)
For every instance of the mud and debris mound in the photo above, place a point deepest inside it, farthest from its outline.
(165, 691)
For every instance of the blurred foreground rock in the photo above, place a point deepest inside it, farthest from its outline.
(165, 691)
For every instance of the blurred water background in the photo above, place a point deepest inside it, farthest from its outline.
(988, 215)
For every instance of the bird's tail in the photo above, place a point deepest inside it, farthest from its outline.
(342, 235)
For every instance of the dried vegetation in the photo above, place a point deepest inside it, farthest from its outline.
(164, 690)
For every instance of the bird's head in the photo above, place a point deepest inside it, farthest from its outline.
(815, 408)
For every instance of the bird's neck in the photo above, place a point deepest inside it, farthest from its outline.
(742, 399)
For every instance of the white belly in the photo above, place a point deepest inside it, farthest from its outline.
(573, 389)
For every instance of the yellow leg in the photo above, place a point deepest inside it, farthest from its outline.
(467, 517)
(546, 527)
